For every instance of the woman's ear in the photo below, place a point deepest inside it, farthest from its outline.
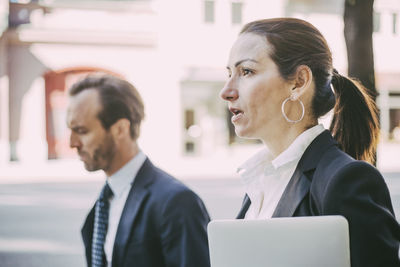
(303, 81)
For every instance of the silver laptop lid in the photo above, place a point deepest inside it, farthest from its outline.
(321, 241)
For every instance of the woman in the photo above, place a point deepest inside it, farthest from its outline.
(281, 80)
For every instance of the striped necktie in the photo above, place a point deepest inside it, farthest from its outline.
(100, 227)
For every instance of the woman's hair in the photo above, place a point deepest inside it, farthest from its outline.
(295, 42)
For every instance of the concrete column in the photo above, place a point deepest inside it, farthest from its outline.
(27, 115)
(4, 115)
(32, 145)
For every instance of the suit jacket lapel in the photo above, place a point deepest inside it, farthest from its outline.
(294, 193)
(245, 206)
(136, 198)
(299, 184)
(87, 233)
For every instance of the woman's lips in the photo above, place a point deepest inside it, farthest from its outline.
(237, 114)
(236, 117)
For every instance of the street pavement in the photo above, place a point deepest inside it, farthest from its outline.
(40, 221)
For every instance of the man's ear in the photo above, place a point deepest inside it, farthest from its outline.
(120, 129)
(302, 80)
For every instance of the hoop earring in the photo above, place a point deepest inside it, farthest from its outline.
(284, 114)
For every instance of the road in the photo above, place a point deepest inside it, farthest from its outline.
(40, 222)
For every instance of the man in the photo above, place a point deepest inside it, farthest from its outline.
(143, 217)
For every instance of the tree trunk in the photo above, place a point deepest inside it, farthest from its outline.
(358, 27)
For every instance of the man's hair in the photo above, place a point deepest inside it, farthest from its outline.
(119, 99)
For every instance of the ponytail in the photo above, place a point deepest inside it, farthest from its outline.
(355, 124)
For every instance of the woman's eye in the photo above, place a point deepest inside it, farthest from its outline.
(246, 72)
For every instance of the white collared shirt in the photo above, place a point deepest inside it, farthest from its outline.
(266, 178)
(120, 183)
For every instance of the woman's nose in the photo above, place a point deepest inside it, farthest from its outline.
(228, 93)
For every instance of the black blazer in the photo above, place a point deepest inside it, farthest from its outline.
(162, 224)
(327, 181)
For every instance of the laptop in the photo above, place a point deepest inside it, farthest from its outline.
(321, 241)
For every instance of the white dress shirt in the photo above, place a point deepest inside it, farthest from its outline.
(120, 183)
(266, 178)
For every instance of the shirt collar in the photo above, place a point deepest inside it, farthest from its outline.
(125, 176)
(298, 146)
(253, 166)
(263, 161)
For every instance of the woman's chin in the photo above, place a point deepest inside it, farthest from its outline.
(242, 133)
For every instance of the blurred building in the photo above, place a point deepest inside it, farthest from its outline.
(174, 52)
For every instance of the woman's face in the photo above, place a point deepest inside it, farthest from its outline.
(255, 90)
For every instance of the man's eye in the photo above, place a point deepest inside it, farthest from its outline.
(80, 131)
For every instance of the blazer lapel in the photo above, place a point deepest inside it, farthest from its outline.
(87, 234)
(294, 193)
(299, 184)
(245, 206)
(135, 200)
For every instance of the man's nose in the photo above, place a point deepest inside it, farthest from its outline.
(74, 140)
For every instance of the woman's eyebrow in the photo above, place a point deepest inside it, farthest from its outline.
(243, 60)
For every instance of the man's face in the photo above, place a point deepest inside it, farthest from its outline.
(94, 144)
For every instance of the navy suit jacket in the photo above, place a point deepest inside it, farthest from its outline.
(327, 181)
(163, 224)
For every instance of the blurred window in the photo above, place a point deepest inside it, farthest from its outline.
(3, 16)
(394, 22)
(394, 115)
(377, 22)
(189, 148)
(189, 118)
(191, 133)
(209, 11)
(237, 12)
